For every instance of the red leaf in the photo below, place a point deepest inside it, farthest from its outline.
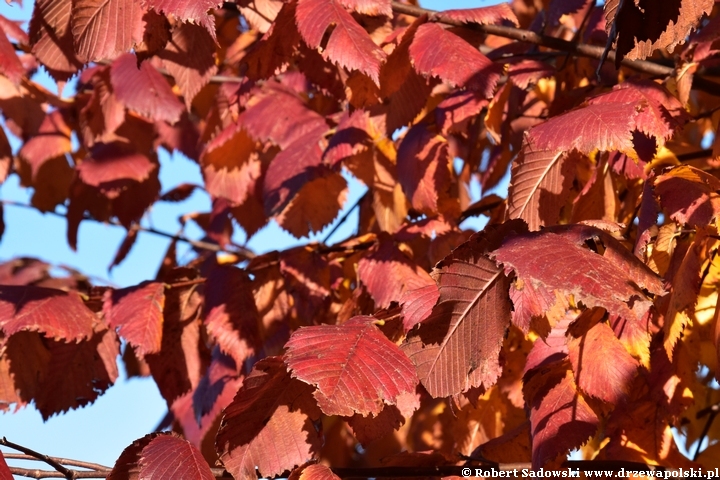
(549, 350)
(527, 72)
(230, 164)
(440, 53)
(316, 204)
(105, 29)
(369, 7)
(315, 471)
(57, 314)
(51, 140)
(179, 365)
(662, 115)
(291, 169)
(608, 381)
(417, 305)
(388, 274)
(180, 193)
(138, 312)
(371, 428)
(51, 38)
(280, 117)
(689, 195)
(554, 262)
(231, 316)
(457, 108)
(260, 14)
(422, 163)
(144, 90)
(59, 376)
(193, 11)
(5, 473)
(10, 64)
(482, 16)
(269, 424)
(109, 162)
(349, 44)
(354, 367)
(167, 456)
(560, 421)
(458, 346)
(276, 48)
(125, 246)
(190, 59)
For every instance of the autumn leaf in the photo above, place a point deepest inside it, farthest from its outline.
(482, 15)
(460, 64)
(191, 11)
(688, 195)
(51, 38)
(105, 29)
(167, 456)
(338, 361)
(144, 90)
(138, 313)
(608, 381)
(560, 419)
(349, 46)
(55, 313)
(458, 346)
(269, 424)
(388, 274)
(230, 313)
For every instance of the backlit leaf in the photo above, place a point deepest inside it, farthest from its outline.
(138, 312)
(104, 29)
(689, 195)
(55, 313)
(554, 262)
(355, 368)
(144, 90)
(388, 274)
(608, 381)
(315, 206)
(269, 424)
(560, 420)
(349, 46)
(51, 38)
(315, 471)
(417, 305)
(440, 53)
(230, 165)
(482, 15)
(193, 11)
(167, 456)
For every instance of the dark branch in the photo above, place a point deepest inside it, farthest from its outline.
(66, 472)
(199, 244)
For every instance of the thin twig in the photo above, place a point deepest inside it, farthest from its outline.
(344, 217)
(63, 461)
(712, 411)
(199, 244)
(67, 473)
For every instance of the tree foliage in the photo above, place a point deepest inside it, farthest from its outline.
(583, 316)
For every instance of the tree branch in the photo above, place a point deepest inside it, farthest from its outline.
(580, 49)
(199, 244)
(67, 473)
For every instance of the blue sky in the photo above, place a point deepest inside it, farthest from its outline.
(129, 409)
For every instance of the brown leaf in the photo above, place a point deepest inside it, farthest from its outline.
(458, 346)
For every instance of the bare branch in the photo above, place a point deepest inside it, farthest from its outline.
(67, 473)
(199, 244)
